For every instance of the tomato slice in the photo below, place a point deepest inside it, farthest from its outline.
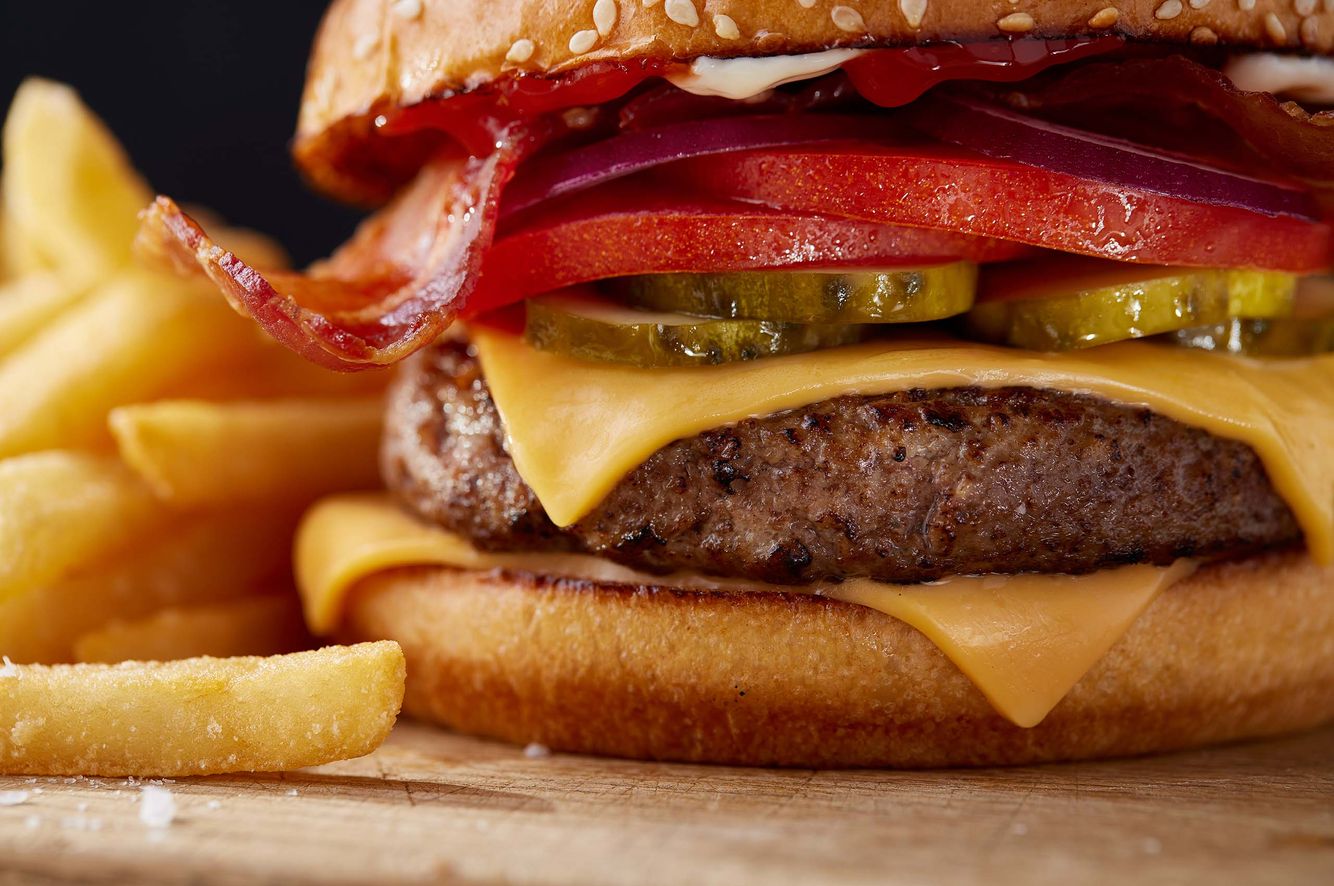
(630, 227)
(946, 188)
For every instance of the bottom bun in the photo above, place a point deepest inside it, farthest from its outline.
(1239, 650)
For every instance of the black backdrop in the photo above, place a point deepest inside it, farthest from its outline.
(204, 95)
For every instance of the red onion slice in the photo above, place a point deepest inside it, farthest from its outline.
(996, 131)
(632, 152)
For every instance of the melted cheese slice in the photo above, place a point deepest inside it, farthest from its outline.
(1024, 641)
(575, 428)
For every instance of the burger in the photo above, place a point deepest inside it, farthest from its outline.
(822, 384)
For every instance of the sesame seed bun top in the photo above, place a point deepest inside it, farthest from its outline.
(372, 55)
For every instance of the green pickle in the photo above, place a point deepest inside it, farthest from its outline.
(906, 295)
(1115, 304)
(592, 329)
(1307, 332)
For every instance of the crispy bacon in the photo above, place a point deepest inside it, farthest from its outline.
(389, 291)
(1176, 103)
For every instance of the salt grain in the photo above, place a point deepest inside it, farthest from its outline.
(536, 751)
(158, 809)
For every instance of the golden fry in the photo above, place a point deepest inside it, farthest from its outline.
(199, 716)
(126, 342)
(275, 372)
(268, 625)
(30, 303)
(59, 510)
(201, 559)
(195, 452)
(18, 257)
(69, 189)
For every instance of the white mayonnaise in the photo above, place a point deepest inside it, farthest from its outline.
(1305, 79)
(743, 78)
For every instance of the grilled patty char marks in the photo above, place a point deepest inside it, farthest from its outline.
(902, 487)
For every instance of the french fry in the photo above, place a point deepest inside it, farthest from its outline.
(194, 452)
(69, 189)
(126, 342)
(267, 625)
(274, 373)
(199, 716)
(18, 257)
(201, 559)
(31, 302)
(59, 510)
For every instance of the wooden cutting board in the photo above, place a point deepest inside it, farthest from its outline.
(434, 807)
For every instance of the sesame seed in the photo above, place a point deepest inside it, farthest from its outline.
(407, 9)
(1310, 31)
(604, 16)
(724, 26)
(806, 4)
(1245, 5)
(913, 12)
(683, 12)
(520, 51)
(1016, 23)
(648, 3)
(1304, 7)
(1199, 4)
(365, 45)
(847, 18)
(1203, 37)
(1168, 10)
(583, 41)
(1274, 28)
(1105, 17)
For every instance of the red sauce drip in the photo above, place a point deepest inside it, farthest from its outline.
(886, 77)
(892, 78)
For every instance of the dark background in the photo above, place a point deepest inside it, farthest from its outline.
(204, 96)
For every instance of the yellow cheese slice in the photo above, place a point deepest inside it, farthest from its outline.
(1024, 641)
(575, 428)
(346, 538)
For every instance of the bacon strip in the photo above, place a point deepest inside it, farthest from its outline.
(1145, 100)
(390, 291)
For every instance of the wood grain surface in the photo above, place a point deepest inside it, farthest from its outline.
(434, 807)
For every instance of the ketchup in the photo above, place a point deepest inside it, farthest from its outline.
(886, 77)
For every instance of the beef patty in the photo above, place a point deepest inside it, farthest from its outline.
(902, 487)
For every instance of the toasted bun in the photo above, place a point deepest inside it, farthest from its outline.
(373, 55)
(1237, 651)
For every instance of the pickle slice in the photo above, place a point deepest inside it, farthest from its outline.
(1079, 304)
(1308, 331)
(1260, 293)
(1276, 337)
(592, 329)
(899, 295)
